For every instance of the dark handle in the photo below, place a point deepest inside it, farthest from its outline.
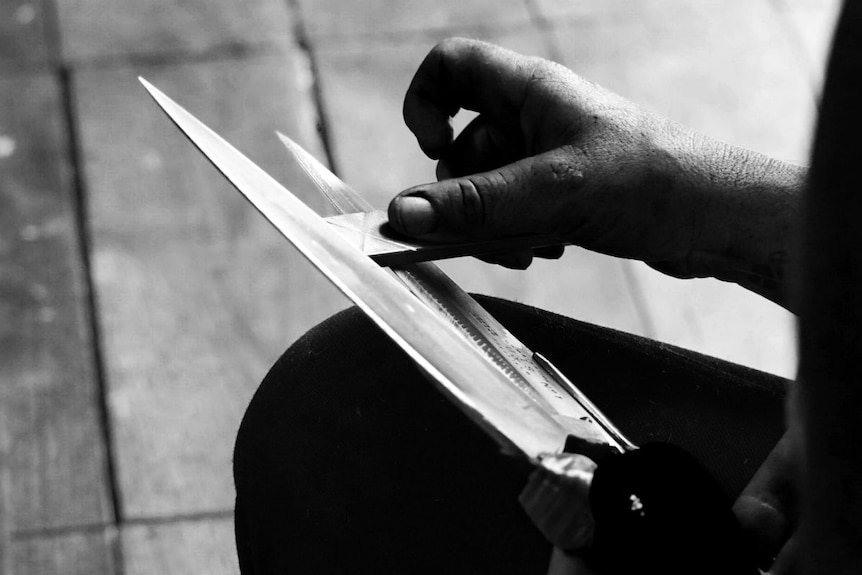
(657, 510)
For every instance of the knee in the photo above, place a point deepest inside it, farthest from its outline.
(305, 383)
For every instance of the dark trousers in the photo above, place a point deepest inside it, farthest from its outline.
(349, 461)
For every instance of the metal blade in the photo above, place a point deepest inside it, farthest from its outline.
(340, 195)
(436, 290)
(514, 416)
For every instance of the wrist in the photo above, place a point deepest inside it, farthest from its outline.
(748, 206)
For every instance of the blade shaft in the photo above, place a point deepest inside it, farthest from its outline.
(479, 387)
(528, 370)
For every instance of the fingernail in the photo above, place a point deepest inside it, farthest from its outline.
(416, 215)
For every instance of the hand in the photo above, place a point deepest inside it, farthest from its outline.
(553, 153)
(768, 508)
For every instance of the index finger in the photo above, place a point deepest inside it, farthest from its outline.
(460, 73)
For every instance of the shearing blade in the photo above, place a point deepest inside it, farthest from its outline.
(436, 290)
(515, 417)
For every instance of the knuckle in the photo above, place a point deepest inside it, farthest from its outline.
(467, 202)
(536, 72)
(539, 68)
(451, 47)
(472, 203)
(544, 74)
(562, 167)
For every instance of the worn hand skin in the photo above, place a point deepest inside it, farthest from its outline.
(553, 152)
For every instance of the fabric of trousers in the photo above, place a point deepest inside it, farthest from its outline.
(349, 461)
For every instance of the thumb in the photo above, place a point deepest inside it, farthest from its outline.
(766, 509)
(523, 197)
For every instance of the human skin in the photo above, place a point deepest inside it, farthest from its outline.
(552, 152)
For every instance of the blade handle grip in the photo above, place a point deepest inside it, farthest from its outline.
(658, 510)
